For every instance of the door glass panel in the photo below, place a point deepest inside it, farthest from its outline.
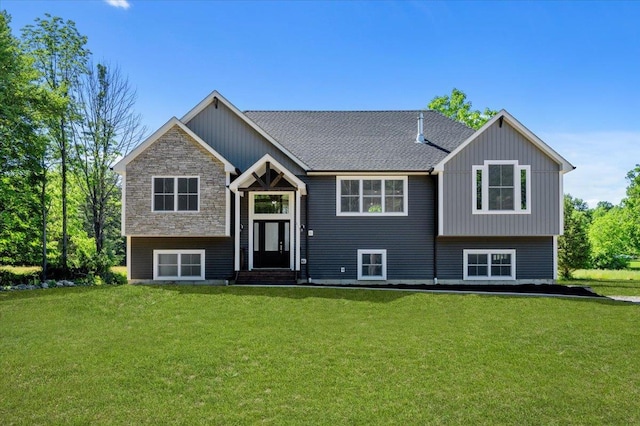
(286, 236)
(256, 236)
(271, 236)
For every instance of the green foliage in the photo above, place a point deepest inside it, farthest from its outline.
(610, 235)
(615, 230)
(24, 106)
(456, 107)
(60, 57)
(10, 278)
(573, 246)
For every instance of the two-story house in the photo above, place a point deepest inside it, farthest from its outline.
(341, 197)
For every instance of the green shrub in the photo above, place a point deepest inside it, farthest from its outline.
(14, 278)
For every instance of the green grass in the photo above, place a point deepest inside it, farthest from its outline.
(241, 355)
(625, 282)
(21, 270)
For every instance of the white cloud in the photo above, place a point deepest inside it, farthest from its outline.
(124, 4)
(602, 161)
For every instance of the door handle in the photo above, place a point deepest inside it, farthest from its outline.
(280, 247)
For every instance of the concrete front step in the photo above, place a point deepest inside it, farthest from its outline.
(267, 276)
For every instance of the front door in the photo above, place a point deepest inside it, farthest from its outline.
(271, 244)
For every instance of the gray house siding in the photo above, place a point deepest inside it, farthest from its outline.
(336, 239)
(218, 255)
(501, 143)
(534, 255)
(234, 139)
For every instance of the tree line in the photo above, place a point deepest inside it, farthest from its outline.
(605, 237)
(64, 121)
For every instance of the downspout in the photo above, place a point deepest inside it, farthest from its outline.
(306, 236)
(435, 229)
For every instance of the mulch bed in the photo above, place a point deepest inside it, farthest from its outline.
(541, 289)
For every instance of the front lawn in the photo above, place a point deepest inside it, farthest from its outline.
(242, 355)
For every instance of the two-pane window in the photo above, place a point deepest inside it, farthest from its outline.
(178, 264)
(176, 193)
(501, 187)
(489, 264)
(375, 196)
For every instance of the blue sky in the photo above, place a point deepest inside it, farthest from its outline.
(569, 71)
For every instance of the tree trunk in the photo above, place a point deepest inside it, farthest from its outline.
(63, 160)
(43, 203)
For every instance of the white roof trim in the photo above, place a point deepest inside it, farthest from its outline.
(215, 94)
(566, 165)
(248, 175)
(121, 165)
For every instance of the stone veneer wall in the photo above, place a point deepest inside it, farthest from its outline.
(175, 154)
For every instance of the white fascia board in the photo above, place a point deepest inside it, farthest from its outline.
(120, 166)
(215, 94)
(528, 134)
(248, 174)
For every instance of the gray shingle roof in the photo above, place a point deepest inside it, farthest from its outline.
(362, 140)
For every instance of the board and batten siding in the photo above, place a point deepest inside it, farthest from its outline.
(534, 255)
(336, 239)
(218, 255)
(234, 139)
(501, 143)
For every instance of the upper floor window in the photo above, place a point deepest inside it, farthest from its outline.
(501, 187)
(357, 196)
(176, 193)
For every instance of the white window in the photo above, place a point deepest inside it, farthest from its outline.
(360, 196)
(176, 193)
(501, 187)
(372, 264)
(489, 264)
(178, 265)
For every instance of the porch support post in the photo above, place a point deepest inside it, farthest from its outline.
(297, 225)
(227, 201)
(237, 232)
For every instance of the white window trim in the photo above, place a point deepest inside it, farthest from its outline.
(382, 252)
(485, 188)
(268, 216)
(467, 252)
(156, 276)
(262, 216)
(175, 194)
(405, 197)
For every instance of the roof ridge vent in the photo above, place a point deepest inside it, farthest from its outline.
(420, 137)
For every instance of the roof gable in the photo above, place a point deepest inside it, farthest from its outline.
(120, 166)
(530, 136)
(258, 168)
(215, 97)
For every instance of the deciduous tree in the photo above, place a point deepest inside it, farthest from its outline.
(60, 56)
(456, 107)
(23, 154)
(108, 128)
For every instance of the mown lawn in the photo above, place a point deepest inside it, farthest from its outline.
(625, 282)
(241, 355)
